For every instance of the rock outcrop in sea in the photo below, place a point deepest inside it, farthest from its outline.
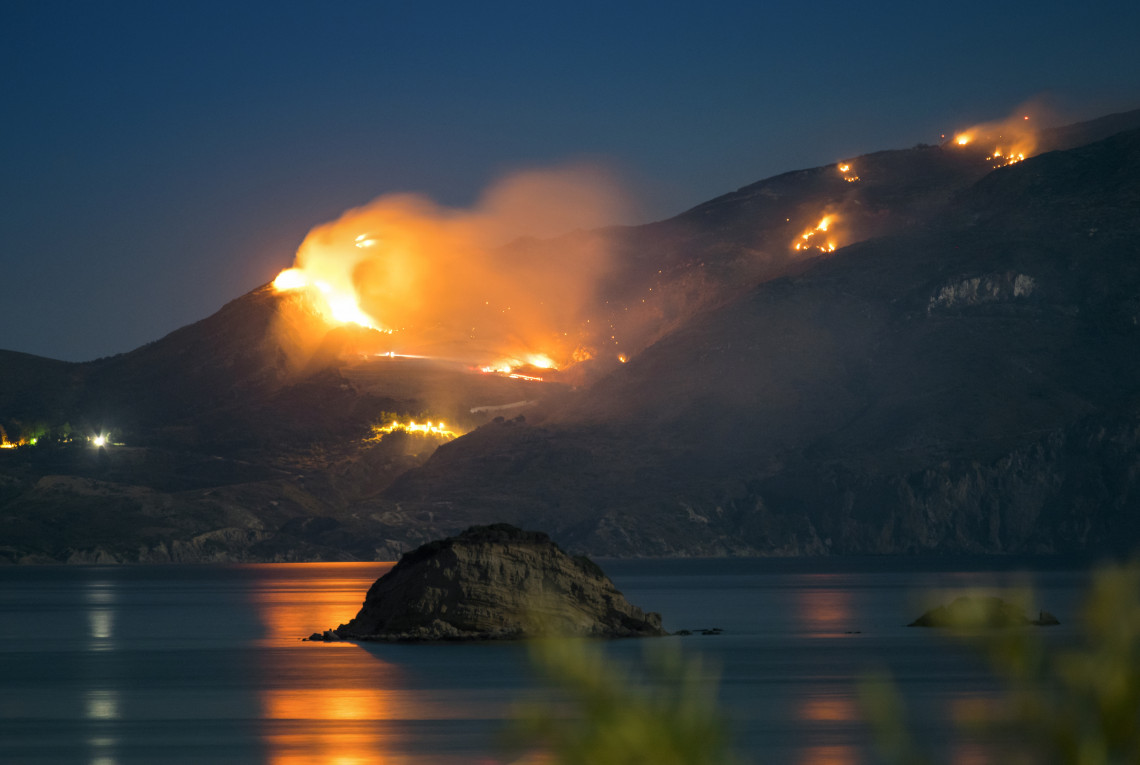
(491, 583)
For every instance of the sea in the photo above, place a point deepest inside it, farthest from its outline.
(111, 665)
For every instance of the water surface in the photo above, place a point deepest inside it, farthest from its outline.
(108, 665)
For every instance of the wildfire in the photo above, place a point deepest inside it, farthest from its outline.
(341, 305)
(1002, 159)
(1013, 140)
(428, 428)
(510, 366)
(845, 170)
(478, 286)
(6, 444)
(810, 239)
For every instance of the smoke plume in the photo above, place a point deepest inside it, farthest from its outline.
(486, 285)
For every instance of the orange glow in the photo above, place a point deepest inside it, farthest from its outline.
(581, 354)
(461, 284)
(315, 710)
(845, 170)
(290, 279)
(427, 428)
(1013, 140)
(510, 366)
(622, 358)
(824, 611)
(836, 709)
(291, 612)
(810, 239)
(829, 755)
(339, 304)
(327, 704)
(540, 360)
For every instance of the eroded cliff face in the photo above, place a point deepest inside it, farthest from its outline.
(1070, 491)
(495, 582)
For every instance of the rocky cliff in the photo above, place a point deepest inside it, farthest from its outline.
(495, 582)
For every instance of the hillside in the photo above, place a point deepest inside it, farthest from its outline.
(969, 385)
(958, 375)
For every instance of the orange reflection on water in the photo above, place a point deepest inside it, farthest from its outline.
(327, 725)
(322, 702)
(833, 709)
(328, 704)
(824, 611)
(328, 597)
(829, 755)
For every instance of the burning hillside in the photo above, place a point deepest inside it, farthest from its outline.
(300, 421)
(1005, 142)
(820, 237)
(444, 283)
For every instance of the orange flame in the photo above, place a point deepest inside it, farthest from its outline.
(845, 170)
(460, 283)
(338, 304)
(427, 428)
(1013, 139)
(808, 239)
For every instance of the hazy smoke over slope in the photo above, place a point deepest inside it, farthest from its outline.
(467, 284)
(1009, 140)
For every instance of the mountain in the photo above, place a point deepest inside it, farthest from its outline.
(959, 375)
(968, 385)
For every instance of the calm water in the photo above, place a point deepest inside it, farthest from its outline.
(192, 664)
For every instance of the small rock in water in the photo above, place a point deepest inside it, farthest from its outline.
(328, 636)
(495, 583)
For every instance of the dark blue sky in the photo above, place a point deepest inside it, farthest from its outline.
(160, 159)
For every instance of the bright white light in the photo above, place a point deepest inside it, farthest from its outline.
(100, 440)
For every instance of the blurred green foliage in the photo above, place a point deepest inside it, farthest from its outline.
(1072, 704)
(606, 713)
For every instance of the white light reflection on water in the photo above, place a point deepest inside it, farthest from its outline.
(102, 704)
(100, 597)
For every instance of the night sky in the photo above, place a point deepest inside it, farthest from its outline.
(161, 159)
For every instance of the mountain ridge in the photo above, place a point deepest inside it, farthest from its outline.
(961, 383)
